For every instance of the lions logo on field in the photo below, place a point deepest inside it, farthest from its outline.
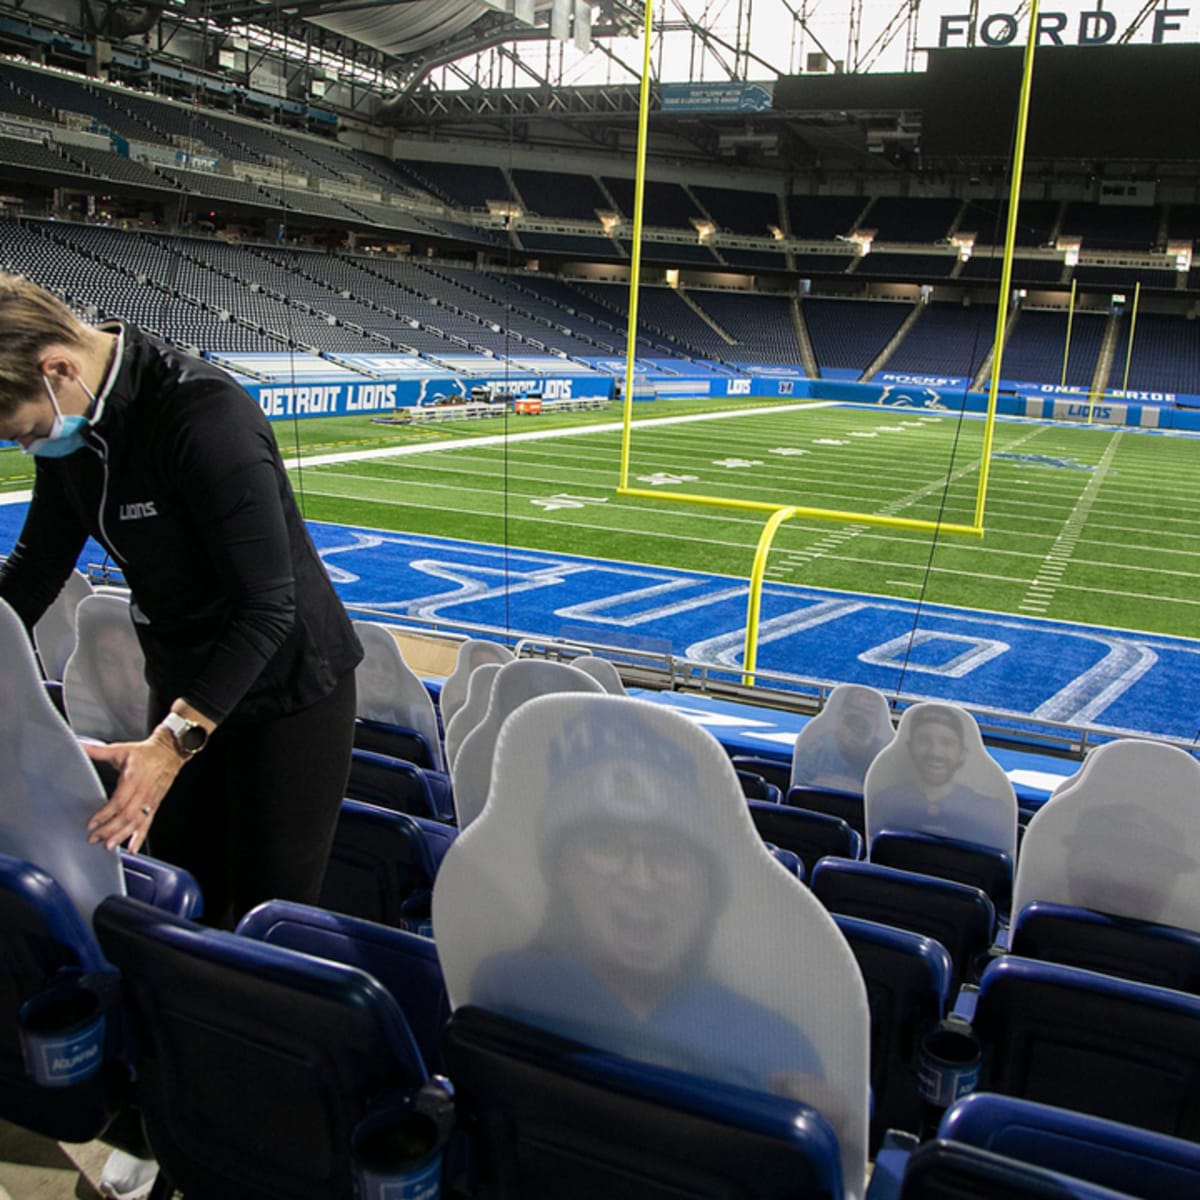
(905, 395)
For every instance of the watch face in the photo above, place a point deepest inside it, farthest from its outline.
(192, 738)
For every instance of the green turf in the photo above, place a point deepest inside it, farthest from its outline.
(1117, 544)
(1113, 545)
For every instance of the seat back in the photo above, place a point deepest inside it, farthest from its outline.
(560, 1119)
(961, 918)
(1134, 1161)
(811, 836)
(389, 692)
(50, 788)
(1139, 950)
(938, 778)
(161, 884)
(908, 990)
(1080, 1040)
(254, 1063)
(773, 770)
(104, 681)
(54, 634)
(474, 652)
(943, 1170)
(396, 741)
(983, 867)
(390, 783)
(439, 837)
(846, 805)
(516, 684)
(836, 747)
(405, 963)
(44, 944)
(755, 787)
(1120, 836)
(473, 710)
(615, 891)
(380, 867)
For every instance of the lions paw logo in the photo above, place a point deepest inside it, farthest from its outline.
(902, 395)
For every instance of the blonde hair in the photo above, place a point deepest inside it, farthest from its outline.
(30, 320)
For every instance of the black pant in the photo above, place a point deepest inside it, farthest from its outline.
(252, 816)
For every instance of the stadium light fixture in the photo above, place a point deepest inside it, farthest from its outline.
(505, 208)
(862, 239)
(1181, 252)
(965, 243)
(1070, 247)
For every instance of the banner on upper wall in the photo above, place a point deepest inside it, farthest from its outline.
(343, 398)
(1025, 387)
(909, 379)
(730, 96)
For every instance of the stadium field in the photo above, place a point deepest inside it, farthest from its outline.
(1088, 524)
(1091, 524)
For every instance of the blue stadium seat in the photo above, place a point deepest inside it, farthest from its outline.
(988, 869)
(908, 990)
(162, 884)
(438, 837)
(961, 918)
(254, 1063)
(846, 805)
(1148, 1165)
(54, 689)
(755, 787)
(380, 866)
(399, 785)
(403, 962)
(944, 1170)
(1088, 1042)
(792, 863)
(45, 946)
(811, 836)
(774, 770)
(395, 741)
(555, 1118)
(1162, 955)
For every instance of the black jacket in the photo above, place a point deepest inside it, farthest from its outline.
(184, 486)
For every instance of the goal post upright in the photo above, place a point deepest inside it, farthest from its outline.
(635, 261)
(1010, 239)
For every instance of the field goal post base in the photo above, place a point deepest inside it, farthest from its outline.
(778, 514)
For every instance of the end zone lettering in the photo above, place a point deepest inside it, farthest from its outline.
(1091, 28)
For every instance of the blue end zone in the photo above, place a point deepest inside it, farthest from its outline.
(1125, 683)
(1054, 671)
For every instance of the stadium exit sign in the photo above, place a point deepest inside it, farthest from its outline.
(951, 24)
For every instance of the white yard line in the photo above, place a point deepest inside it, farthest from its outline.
(1041, 590)
(500, 439)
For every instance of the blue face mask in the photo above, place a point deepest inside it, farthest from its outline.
(66, 434)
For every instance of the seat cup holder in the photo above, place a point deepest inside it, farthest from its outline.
(949, 1066)
(398, 1154)
(62, 1035)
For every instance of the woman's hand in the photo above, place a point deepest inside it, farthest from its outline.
(147, 769)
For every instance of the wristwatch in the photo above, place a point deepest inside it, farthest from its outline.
(190, 737)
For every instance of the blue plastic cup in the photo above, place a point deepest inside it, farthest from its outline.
(62, 1035)
(398, 1157)
(949, 1068)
